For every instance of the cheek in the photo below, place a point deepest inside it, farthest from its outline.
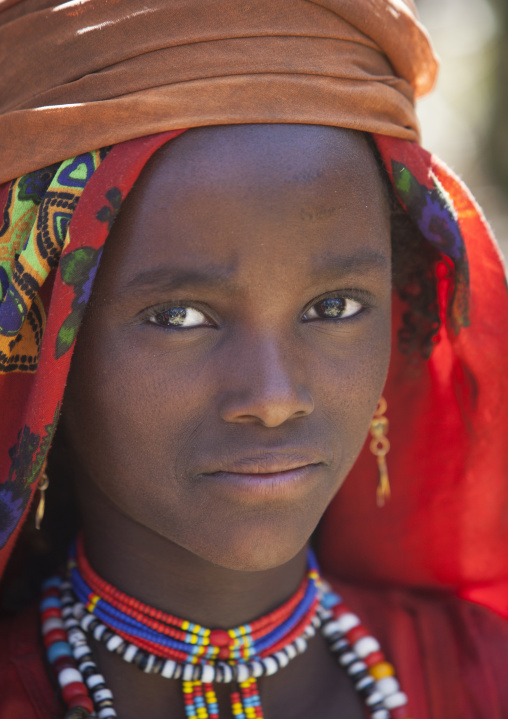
(350, 377)
(355, 385)
(131, 414)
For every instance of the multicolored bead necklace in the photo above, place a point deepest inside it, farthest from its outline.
(159, 643)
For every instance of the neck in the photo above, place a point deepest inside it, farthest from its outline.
(160, 573)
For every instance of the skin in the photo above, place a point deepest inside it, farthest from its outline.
(172, 430)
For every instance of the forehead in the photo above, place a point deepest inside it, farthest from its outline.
(255, 192)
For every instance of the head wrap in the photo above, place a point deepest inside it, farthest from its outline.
(446, 523)
(89, 73)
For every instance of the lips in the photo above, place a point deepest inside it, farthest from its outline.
(267, 476)
(267, 463)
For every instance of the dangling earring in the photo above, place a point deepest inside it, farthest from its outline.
(39, 513)
(380, 446)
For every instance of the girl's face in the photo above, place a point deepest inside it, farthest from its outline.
(238, 340)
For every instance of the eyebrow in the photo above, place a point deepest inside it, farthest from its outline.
(170, 278)
(344, 265)
(219, 276)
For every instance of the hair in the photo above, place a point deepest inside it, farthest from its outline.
(414, 278)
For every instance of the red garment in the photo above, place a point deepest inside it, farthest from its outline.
(450, 656)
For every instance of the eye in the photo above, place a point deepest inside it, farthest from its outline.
(334, 308)
(181, 316)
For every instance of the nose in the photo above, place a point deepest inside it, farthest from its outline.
(265, 385)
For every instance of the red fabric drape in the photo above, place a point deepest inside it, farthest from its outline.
(446, 524)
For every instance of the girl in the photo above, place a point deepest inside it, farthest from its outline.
(234, 351)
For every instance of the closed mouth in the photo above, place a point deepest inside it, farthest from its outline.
(286, 481)
(268, 463)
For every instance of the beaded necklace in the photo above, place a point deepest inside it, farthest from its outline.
(159, 643)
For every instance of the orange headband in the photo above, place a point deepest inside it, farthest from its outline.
(87, 73)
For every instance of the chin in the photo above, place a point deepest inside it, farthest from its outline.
(255, 546)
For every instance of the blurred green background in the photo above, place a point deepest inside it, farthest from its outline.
(465, 119)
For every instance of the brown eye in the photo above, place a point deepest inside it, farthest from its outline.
(334, 308)
(179, 317)
(174, 317)
(331, 308)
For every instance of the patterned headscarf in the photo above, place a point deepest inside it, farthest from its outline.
(449, 461)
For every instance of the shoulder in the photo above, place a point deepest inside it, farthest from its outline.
(25, 689)
(449, 654)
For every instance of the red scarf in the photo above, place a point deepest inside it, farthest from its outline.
(446, 523)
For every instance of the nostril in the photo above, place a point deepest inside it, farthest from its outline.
(301, 413)
(271, 413)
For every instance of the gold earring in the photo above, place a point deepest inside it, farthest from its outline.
(380, 446)
(39, 513)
